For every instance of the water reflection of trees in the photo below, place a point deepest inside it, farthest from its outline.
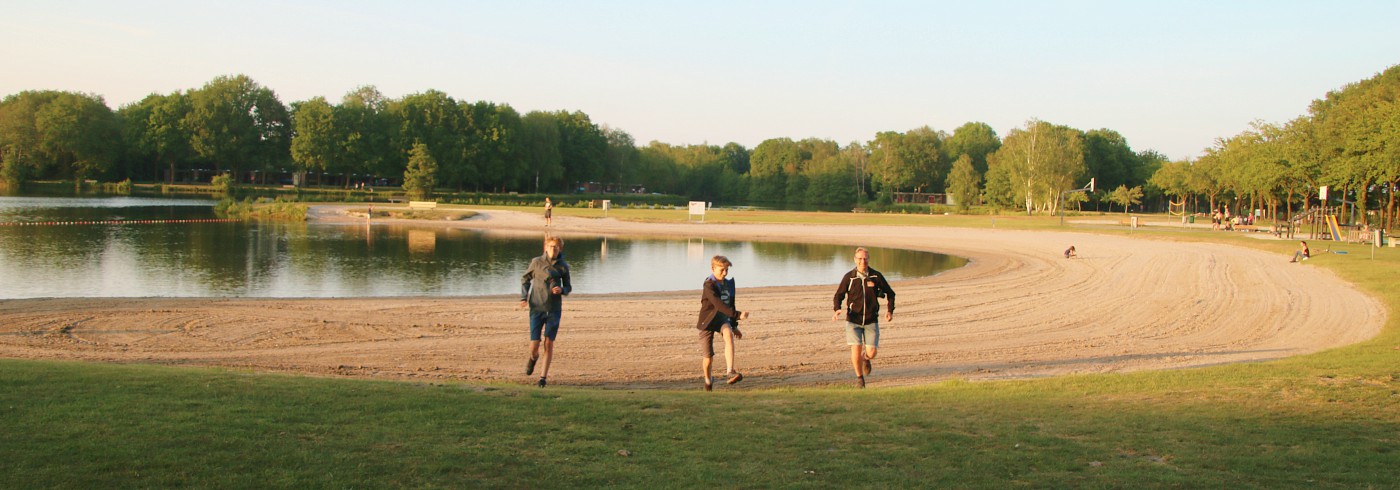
(289, 260)
(895, 262)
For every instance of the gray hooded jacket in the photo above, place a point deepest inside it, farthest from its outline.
(540, 278)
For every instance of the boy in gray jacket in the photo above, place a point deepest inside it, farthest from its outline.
(543, 288)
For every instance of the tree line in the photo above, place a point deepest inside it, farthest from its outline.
(1349, 141)
(234, 126)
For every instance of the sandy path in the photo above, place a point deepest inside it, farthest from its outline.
(1017, 310)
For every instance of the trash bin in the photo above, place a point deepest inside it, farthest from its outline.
(1191, 219)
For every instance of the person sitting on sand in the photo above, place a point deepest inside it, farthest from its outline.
(1069, 252)
(1303, 253)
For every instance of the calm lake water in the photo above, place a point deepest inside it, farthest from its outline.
(324, 260)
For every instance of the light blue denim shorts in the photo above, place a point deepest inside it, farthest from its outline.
(867, 335)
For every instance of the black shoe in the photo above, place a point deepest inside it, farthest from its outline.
(541, 383)
(868, 367)
(530, 366)
(860, 382)
(709, 386)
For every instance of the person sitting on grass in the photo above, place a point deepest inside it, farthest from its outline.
(1303, 253)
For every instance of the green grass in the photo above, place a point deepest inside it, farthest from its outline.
(1327, 420)
(442, 214)
(266, 210)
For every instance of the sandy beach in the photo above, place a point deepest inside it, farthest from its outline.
(1018, 310)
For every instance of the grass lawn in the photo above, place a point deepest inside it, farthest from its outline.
(1328, 420)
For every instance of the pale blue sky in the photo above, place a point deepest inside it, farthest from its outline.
(1170, 75)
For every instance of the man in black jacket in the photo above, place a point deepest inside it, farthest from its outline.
(857, 295)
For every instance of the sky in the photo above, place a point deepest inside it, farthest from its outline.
(1170, 76)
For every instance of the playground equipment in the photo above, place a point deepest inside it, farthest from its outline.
(1173, 207)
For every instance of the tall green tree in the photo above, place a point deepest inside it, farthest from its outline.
(964, 183)
(912, 160)
(154, 130)
(420, 176)
(19, 135)
(974, 139)
(237, 124)
(370, 131)
(772, 163)
(81, 134)
(51, 134)
(736, 157)
(1041, 161)
(1173, 180)
(436, 120)
(583, 147)
(658, 170)
(831, 176)
(538, 149)
(1108, 158)
(1126, 196)
(621, 156)
(318, 140)
(490, 130)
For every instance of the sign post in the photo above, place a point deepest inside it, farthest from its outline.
(696, 207)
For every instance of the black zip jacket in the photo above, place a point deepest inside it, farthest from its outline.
(860, 298)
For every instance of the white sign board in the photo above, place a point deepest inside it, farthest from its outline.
(697, 207)
(1322, 194)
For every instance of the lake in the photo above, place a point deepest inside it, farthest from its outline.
(279, 260)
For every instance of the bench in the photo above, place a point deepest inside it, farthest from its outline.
(421, 205)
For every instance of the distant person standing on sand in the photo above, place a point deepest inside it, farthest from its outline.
(542, 288)
(717, 314)
(857, 295)
(548, 212)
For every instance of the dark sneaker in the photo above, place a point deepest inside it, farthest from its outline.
(530, 366)
(737, 377)
(868, 367)
(541, 383)
(860, 382)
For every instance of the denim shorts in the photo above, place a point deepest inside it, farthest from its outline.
(548, 321)
(867, 335)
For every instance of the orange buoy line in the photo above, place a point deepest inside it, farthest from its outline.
(116, 222)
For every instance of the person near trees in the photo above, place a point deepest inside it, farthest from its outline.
(548, 212)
